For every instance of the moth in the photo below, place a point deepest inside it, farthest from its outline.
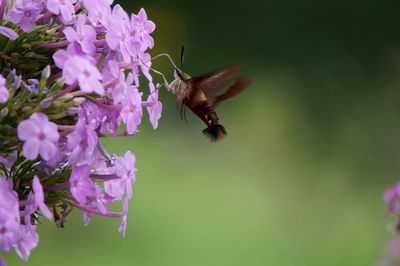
(201, 94)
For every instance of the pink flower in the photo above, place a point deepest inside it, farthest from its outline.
(8, 159)
(9, 214)
(84, 35)
(27, 240)
(79, 69)
(120, 36)
(132, 111)
(99, 11)
(120, 90)
(125, 168)
(82, 144)
(62, 56)
(122, 227)
(65, 7)
(154, 106)
(2, 262)
(36, 200)
(26, 15)
(143, 28)
(40, 136)
(82, 187)
(3, 90)
(392, 198)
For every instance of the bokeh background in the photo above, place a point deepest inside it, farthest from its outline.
(311, 147)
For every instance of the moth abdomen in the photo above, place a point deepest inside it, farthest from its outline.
(215, 132)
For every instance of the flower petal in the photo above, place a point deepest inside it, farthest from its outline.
(27, 129)
(31, 149)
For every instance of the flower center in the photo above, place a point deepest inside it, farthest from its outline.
(28, 13)
(140, 28)
(41, 136)
(86, 73)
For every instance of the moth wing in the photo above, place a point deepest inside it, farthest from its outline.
(216, 79)
(240, 85)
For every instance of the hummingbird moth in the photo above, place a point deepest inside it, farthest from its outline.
(201, 94)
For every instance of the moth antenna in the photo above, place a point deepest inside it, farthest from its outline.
(182, 57)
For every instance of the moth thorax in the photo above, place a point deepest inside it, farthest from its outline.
(179, 88)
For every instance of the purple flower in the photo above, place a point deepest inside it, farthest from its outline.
(61, 56)
(98, 11)
(393, 248)
(392, 198)
(79, 69)
(27, 240)
(90, 113)
(125, 168)
(104, 54)
(120, 91)
(9, 33)
(9, 214)
(15, 79)
(8, 159)
(82, 143)
(102, 200)
(82, 187)
(4, 94)
(109, 120)
(143, 28)
(155, 107)
(144, 61)
(132, 111)
(122, 227)
(84, 35)
(120, 36)
(26, 15)
(2, 262)
(38, 198)
(65, 7)
(40, 136)
(33, 86)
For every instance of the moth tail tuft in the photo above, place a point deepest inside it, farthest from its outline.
(215, 132)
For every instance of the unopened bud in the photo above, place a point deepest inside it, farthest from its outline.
(46, 103)
(17, 82)
(73, 110)
(4, 112)
(46, 72)
(79, 100)
(26, 109)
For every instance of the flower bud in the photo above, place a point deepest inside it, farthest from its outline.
(78, 100)
(46, 103)
(46, 72)
(4, 112)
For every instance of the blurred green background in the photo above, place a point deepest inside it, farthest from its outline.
(311, 146)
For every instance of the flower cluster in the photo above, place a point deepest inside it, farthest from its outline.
(392, 249)
(70, 74)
